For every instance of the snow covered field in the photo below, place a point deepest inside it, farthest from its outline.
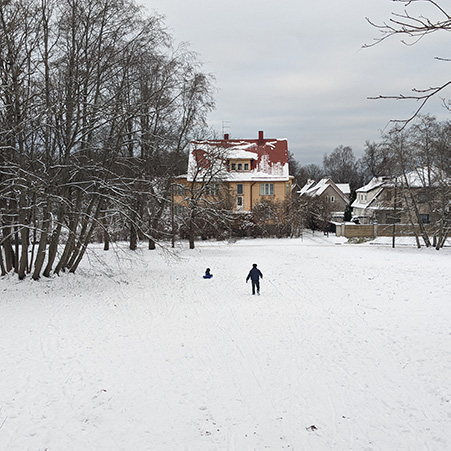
(347, 348)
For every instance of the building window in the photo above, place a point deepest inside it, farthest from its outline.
(332, 198)
(239, 201)
(212, 189)
(233, 166)
(266, 189)
(287, 185)
(246, 166)
(179, 210)
(239, 188)
(424, 219)
(240, 166)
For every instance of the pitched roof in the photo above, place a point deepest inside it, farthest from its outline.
(312, 189)
(422, 177)
(374, 183)
(268, 157)
(344, 188)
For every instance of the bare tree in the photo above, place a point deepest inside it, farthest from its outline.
(342, 167)
(376, 161)
(95, 107)
(318, 213)
(421, 154)
(206, 196)
(412, 28)
(308, 172)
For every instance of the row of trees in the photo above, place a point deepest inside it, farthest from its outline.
(96, 109)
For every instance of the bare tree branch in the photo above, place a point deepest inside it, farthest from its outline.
(415, 28)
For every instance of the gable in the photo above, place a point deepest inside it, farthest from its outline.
(267, 158)
(323, 186)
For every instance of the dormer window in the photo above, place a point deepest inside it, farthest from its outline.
(240, 166)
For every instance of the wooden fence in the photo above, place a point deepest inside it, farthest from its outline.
(374, 230)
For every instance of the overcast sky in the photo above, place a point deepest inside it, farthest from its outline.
(296, 68)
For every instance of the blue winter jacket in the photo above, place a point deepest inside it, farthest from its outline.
(254, 274)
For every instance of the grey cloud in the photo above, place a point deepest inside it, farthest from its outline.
(296, 69)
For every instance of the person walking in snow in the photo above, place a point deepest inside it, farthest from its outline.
(254, 275)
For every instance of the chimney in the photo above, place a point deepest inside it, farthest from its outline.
(226, 136)
(260, 137)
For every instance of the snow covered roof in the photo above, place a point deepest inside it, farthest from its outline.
(344, 188)
(306, 187)
(240, 153)
(418, 178)
(370, 203)
(374, 183)
(421, 177)
(268, 158)
(312, 189)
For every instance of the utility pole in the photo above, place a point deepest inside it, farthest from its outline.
(394, 215)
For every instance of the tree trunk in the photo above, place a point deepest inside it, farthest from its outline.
(191, 233)
(70, 243)
(106, 235)
(53, 248)
(40, 256)
(24, 237)
(2, 264)
(87, 239)
(133, 237)
(81, 237)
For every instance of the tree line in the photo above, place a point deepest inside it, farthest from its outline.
(426, 142)
(97, 106)
(421, 149)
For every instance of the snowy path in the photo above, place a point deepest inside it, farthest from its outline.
(146, 355)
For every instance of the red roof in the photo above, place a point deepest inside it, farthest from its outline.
(276, 150)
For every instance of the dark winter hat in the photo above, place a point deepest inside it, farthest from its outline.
(254, 265)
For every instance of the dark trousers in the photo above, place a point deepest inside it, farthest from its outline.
(255, 284)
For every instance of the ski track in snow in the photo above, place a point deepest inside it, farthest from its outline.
(346, 348)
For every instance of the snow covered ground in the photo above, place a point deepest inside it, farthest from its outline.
(347, 348)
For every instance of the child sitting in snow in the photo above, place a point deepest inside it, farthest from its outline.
(208, 275)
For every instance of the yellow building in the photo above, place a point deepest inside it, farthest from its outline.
(249, 170)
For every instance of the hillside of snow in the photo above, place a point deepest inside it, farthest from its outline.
(347, 348)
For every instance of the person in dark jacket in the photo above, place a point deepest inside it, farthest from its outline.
(254, 275)
(208, 274)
